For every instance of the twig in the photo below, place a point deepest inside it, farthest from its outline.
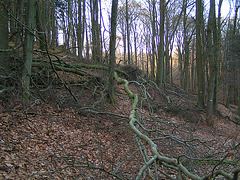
(117, 169)
(146, 166)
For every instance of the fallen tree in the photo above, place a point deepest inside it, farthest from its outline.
(161, 160)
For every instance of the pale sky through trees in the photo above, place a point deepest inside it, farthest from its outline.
(226, 11)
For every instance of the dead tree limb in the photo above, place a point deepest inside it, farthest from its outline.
(169, 162)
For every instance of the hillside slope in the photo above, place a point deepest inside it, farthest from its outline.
(53, 136)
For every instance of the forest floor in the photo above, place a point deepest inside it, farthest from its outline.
(51, 136)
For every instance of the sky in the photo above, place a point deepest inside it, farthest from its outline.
(227, 8)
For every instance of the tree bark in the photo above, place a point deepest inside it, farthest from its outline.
(153, 21)
(28, 46)
(160, 64)
(167, 57)
(80, 32)
(112, 60)
(186, 42)
(95, 31)
(4, 63)
(199, 54)
(54, 28)
(19, 27)
(211, 30)
(41, 23)
(135, 45)
(218, 56)
(128, 34)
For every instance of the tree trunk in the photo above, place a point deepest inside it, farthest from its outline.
(238, 96)
(142, 60)
(233, 69)
(167, 56)
(54, 37)
(128, 34)
(213, 49)
(135, 45)
(218, 56)
(4, 63)
(100, 36)
(112, 60)
(160, 64)
(153, 21)
(65, 31)
(199, 54)
(28, 46)
(180, 66)
(186, 42)
(147, 54)
(80, 30)
(193, 67)
(95, 31)
(69, 23)
(20, 12)
(186, 67)
(83, 24)
(87, 45)
(41, 23)
(124, 47)
(12, 22)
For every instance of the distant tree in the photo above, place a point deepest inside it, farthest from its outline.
(71, 29)
(46, 23)
(146, 37)
(19, 27)
(95, 31)
(122, 29)
(233, 57)
(153, 22)
(41, 23)
(61, 8)
(129, 14)
(128, 33)
(54, 27)
(218, 57)
(81, 27)
(167, 55)
(188, 32)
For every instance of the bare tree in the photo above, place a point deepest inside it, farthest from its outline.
(199, 53)
(81, 27)
(112, 60)
(4, 63)
(28, 46)
(160, 62)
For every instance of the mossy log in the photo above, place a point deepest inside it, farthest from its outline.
(71, 68)
(62, 68)
(95, 66)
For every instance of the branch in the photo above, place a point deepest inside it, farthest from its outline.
(10, 50)
(145, 167)
(169, 162)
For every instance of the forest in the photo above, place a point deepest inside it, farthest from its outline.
(120, 89)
